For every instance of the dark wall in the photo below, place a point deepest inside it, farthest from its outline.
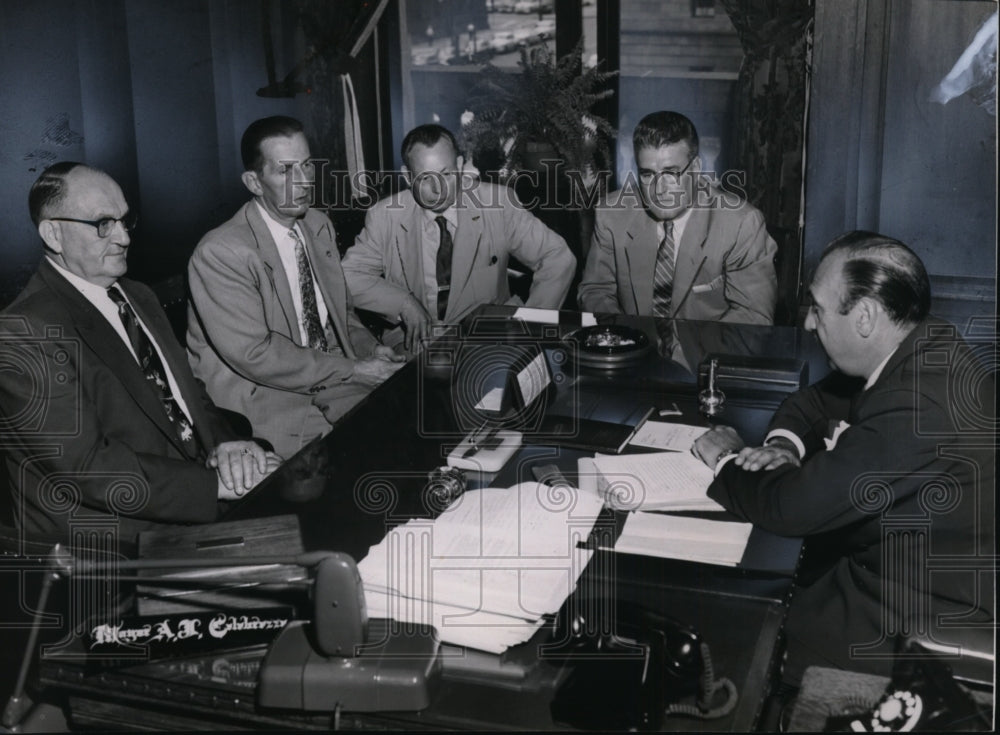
(156, 93)
(882, 156)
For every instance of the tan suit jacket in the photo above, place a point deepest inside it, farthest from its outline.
(386, 265)
(724, 268)
(244, 340)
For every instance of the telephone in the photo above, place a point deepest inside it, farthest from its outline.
(628, 666)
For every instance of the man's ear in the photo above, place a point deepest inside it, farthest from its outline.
(867, 316)
(50, 235)
(251, 182)
(407, 175)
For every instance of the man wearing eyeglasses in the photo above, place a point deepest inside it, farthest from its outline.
(679, 247)
(103, 423)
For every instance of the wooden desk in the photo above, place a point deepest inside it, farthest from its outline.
(369, 474)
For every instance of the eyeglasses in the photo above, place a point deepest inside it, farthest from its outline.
(105, 225)
(672, 177)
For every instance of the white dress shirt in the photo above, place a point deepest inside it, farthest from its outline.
(286, 251)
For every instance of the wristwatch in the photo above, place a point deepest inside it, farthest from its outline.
(723, 455)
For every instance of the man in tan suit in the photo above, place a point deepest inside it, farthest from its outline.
(672, 249)
(271, 327)
(439, 249)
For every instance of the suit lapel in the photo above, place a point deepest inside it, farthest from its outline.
(275, 271)
(468, 241)
(690, 257)
(321, 245)
(109, 348)
(640, 245)
(408, 244)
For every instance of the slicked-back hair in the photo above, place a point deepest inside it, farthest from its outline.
(884, 269)
(49, 189)
(426, 135)
(276, 126)
(659, 129)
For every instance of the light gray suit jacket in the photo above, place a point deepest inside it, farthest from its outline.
(244, 340)
(386, 265)
(724, 268)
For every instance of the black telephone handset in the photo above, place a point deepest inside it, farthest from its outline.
(629, 666)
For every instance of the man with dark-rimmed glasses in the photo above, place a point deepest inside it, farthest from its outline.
(671, 244)
(105, 428)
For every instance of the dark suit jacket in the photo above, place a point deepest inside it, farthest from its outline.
(724, 266)
(243, 335)
(88, 444)
(908, 484)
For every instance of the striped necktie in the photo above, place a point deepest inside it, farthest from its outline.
(663, 275)
(307, 290)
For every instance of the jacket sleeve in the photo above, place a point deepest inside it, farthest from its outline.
(751, 283)
(227, 291)
(834, 488)
(807, 413)
(542, 250)
(366, 268)
(598, 290)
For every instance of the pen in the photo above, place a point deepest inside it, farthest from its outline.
(674, 411)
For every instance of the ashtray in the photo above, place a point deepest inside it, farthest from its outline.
(609, 347)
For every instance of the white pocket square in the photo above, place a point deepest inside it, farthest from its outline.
(837, 431)
(710, 286)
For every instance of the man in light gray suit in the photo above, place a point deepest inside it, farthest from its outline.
(271, 327)
(676, 250)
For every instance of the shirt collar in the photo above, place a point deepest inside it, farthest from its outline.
(279, 232)
(90, 291)
(449, 214)
(878, 370)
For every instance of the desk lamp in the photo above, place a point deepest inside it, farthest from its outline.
(341, 661)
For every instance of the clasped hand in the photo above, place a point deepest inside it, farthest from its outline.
(383, 363)
(240, 466)
(721, 440)
(416, 324)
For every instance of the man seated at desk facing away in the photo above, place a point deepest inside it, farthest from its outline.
(271, 329)
(126, 431)
(873, 465)
(438, 250)
(682, 248)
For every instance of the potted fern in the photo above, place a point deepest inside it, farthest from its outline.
(543, 112)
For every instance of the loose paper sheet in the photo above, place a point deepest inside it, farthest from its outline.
(655, 481)
(667, 436)
(677, 537)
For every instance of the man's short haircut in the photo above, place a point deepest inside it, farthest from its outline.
(659, 129)
(277, 126)
(884, 269)
(426, 135)
(49, 190)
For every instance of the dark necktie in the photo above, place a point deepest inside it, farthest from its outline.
(307, 289)
(445, 248)
(663, 275)
(155, 374)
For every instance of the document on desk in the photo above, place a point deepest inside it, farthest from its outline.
(654, 481)
(666, 436)
(677, 537)
(488, 568)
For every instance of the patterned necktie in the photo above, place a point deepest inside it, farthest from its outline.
(663, 275)
(445, 248)
(152, 368)
(307, 289)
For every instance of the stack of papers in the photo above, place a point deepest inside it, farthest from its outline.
(486, 571)
(655, 481)
(675, 537)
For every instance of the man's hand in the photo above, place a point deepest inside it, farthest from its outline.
(416, 324)
(716, 442)
(774, 454)
(241, 465)
(383, 352)
(373, 370)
